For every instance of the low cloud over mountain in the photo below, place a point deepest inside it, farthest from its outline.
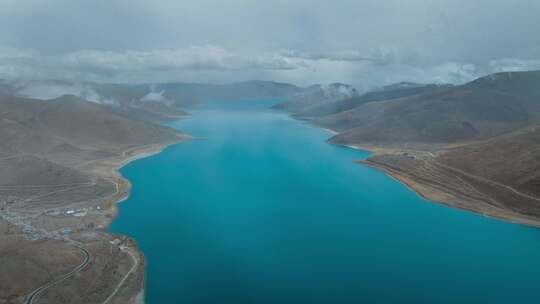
(365, 43)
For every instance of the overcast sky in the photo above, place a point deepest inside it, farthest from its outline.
(363, 42)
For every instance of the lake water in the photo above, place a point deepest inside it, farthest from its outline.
(263, 210)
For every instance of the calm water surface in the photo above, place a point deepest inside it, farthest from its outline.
(263, 210)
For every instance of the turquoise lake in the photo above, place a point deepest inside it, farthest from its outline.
(263, 210)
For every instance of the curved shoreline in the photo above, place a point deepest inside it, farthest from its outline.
(438, 195)
(444, 196)
(109, 169)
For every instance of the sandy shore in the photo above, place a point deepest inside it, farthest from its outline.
(330, 131)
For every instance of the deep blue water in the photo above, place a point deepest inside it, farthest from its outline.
(263, 210)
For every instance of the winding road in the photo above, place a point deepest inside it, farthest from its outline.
(35, 294)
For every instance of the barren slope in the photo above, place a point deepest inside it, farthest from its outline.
(57, 184)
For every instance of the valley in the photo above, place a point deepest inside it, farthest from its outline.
(473, 147)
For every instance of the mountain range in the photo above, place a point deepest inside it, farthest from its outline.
(474, 146)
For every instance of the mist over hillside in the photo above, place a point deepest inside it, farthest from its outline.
(425, 113)
(258, 110)
(171, 93)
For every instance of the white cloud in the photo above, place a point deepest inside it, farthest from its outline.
(452, 72)
(191, 58)
(100, 65)
(154, 95)
(379, 56)
(48, 90)
(360, 41)
(363, 69)
(53, 89)
(514, 65)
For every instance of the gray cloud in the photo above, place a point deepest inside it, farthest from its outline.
(110, 64)
(364, 42)
(190, 58)
(513, 64)
(379, 56)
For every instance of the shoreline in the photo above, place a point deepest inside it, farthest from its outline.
(443, 196)
(428, 193)
(438, 196)
(110, 170)
(110, 254)
(329, 131)
(446, 198)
